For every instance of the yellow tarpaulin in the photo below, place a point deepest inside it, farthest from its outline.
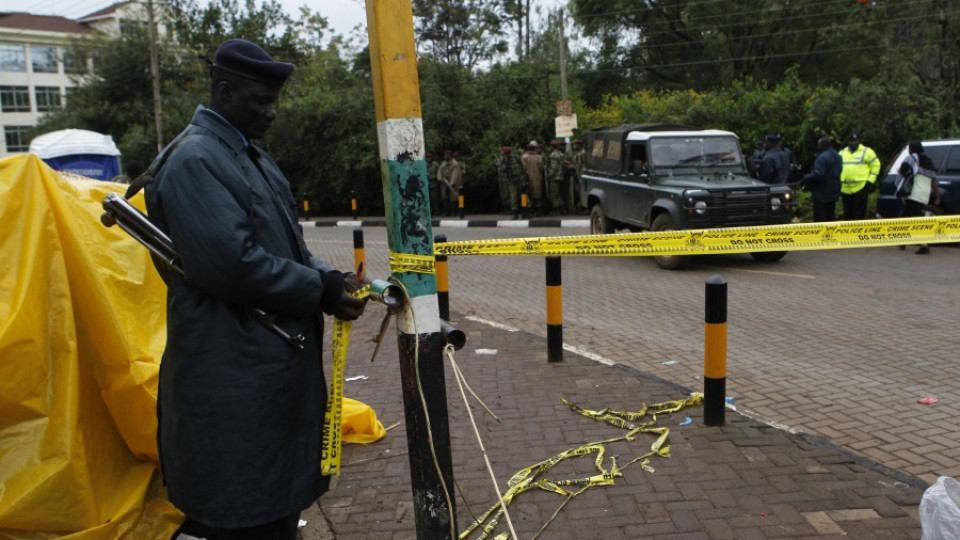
(82, 328)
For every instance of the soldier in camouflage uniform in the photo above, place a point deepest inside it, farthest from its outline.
(435, 195)
(579, 159)
(510, 172)
(450, 175)
(503, 186)
(533, 165)
(568, 189)
(554, 169)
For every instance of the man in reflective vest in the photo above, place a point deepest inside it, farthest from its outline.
(858, 178)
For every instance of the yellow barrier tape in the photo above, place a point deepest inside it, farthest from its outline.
(407, 262)
(333, 417)
(794, 237)
(529, 478)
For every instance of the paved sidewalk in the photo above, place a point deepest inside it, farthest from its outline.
(744, 480)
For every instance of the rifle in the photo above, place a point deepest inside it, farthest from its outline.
(449, 186)
(117, 211)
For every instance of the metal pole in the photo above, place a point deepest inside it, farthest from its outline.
(403, 173)
(460, 200)
(443, 280)
(155, 74)
(715, 352)
(353, 203)
(563, 56)
(554, 311)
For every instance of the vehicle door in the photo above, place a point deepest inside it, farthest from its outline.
(614, 206)
(636, 190)
(948, 177)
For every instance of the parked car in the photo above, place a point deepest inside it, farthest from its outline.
(945, 154)
(662, 177)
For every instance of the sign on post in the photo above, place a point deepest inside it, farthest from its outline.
(565, 125)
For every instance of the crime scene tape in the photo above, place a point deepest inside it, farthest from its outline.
(408, 262)
(788, 237)
(333, 417)
(530, 477)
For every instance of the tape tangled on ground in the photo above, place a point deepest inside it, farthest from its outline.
(793, 237)
(642, 421)
(333, 416)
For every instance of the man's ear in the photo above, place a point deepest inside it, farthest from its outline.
(224, 91)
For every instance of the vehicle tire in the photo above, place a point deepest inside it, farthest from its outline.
(599, 222)
(664, 222)
(768, 256)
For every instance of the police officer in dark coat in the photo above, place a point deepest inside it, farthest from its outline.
(240, 410)
(823, 181)
(775, 163)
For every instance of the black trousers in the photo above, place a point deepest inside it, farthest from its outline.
(823, 212)
(282, 529)
(855, 205)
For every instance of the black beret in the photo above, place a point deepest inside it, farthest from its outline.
(246, 59)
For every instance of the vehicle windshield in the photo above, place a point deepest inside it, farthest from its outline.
(694, 151)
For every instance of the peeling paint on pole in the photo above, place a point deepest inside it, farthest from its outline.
(403, 175)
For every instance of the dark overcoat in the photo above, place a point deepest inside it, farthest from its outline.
(240, 411)
(824, 180)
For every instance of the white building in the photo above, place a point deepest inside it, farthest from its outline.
(37, 69)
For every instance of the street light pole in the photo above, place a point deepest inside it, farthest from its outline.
(155, 73)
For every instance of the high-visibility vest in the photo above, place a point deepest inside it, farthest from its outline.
(859, 167)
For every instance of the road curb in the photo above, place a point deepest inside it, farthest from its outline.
(459, 223)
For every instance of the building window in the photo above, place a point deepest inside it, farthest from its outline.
(48, 98)
(16, 138)
(14, 99)
(44, 59)
(75, 62)
(12, 58)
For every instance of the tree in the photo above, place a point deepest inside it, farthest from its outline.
(463, 33)
(703, 44)
(116, 98)
(325, 137)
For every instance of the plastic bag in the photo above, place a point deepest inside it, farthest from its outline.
(940, 510)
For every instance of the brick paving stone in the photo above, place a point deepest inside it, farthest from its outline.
(718, 482)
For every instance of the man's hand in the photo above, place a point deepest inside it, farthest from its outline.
(350, 307)
(352, 282)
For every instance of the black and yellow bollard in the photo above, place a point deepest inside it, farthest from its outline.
(554, 311)
(460, 200)
(715, 352)
(443, 284)
(358, 253)
(353, 203)
(306, 207)
(524, 203)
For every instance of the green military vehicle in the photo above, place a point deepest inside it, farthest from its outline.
(658, 177)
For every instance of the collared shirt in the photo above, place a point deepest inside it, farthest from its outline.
(246, 141)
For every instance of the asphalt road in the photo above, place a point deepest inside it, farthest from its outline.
(841, 344)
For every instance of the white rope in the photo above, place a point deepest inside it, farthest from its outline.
(461, 381)
(426, 414)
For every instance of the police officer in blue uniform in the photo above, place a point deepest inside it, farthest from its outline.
(240, 410)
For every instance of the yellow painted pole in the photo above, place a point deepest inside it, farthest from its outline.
(403, 175)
